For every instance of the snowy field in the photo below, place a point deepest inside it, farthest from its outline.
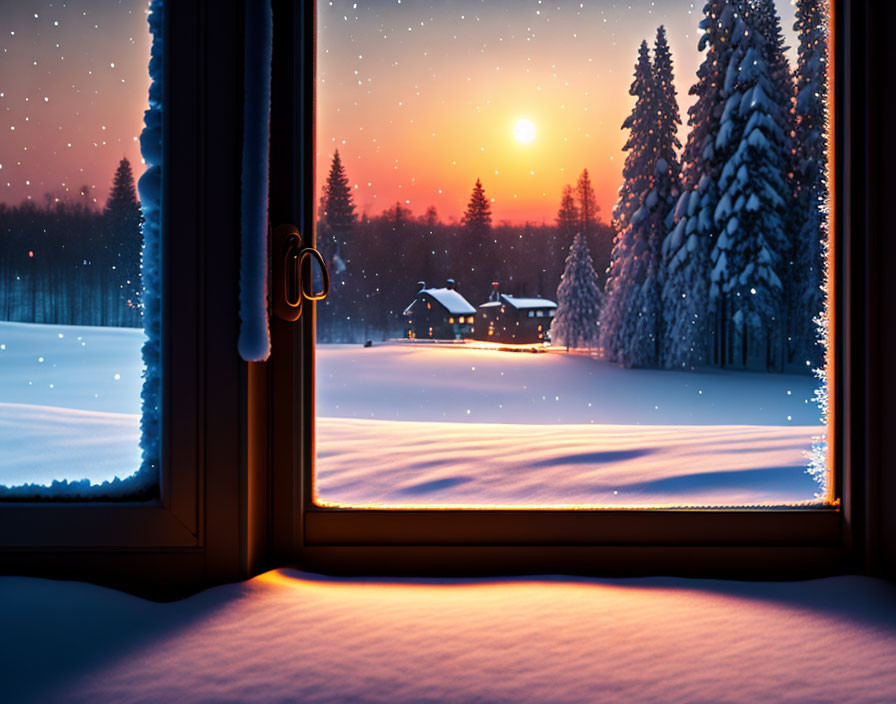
(409, 425)
(447, 425)
(69, 402)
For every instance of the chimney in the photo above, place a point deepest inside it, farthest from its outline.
(450, 284)
(495, 295)
(420, 286)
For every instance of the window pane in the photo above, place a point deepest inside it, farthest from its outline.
(72, 291)
(578, 253)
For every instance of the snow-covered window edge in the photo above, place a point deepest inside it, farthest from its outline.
(143, 484)
(254, 339)
(150, 190)
(820, 468)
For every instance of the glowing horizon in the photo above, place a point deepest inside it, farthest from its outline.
(422, 98)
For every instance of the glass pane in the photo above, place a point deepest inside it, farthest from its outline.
(578, 253)
(72, 260)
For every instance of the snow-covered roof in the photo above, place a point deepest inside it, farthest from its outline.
(527, 303)
(450, 300)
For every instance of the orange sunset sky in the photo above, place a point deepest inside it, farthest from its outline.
(421, 96)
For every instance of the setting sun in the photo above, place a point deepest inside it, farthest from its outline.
(524, 131)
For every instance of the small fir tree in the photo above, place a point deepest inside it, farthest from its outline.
(124, 219)
(337, 202)
(336, 228)
(477, 223)
(478, 216)
(579, 300)
(567, 216)
(587, 204)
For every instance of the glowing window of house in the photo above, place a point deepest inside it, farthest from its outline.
(556, 155)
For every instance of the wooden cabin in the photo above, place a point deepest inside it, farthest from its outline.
(439, 314)
(514, 320)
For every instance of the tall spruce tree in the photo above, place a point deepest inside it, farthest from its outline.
(653, 219)
(125, 242)
(652, 184)
(579, 299)
(687, 307)
(752, 244)
(811, 176)
(626, 274)
(765, 19)
(567, 216)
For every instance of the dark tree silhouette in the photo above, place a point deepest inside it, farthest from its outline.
(477, 222)
(587, 204)
(335, 239)
(478, 217)
(567, 216)
(125, 240)
(67, 262)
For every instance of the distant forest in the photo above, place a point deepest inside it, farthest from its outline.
(68, 262)
(376, 262)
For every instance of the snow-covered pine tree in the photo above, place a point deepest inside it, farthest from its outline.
(811, 175)
(626, 273)
(653, 219)
(747, 255)
(686, 305)
(685, 289)
(652, 172)
(765, 18)
(579, 300)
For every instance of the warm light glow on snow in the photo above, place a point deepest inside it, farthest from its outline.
(524, 131)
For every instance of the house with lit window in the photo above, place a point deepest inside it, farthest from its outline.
(439, 314)
(514, 320)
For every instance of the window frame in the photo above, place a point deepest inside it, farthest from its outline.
(790, 541)
(233, 496)
(195, 532)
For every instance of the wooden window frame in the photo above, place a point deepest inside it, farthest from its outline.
(238, 437)
(745, 543)
(194, 534)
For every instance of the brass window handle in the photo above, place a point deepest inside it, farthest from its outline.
(294, 286)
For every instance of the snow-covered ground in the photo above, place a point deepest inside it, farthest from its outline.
(69, 402)
(288, 636)
(442, 425)
(403, 424)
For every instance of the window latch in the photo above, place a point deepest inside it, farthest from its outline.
(294, 281)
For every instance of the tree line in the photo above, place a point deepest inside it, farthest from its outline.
(376, 262)
(68, 262)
